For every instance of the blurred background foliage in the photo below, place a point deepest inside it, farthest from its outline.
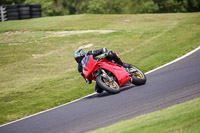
(67, 7)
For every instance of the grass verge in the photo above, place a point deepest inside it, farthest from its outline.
(181, 118)
(38, 70)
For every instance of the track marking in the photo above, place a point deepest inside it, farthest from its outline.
(176, 60)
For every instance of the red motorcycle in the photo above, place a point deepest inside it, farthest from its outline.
(110, 76)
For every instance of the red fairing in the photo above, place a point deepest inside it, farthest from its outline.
(121, 74)
(90, 67)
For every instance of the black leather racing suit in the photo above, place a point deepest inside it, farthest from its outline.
(110, 56)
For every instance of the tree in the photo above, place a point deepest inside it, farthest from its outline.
(193, 5)
(5, 2)
(149, 7)
(105, 6)
(65, 7)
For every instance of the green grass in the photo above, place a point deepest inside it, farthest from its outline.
(182, 118)
(38, 72)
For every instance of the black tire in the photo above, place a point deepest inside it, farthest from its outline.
(139, 78)
(12, 18)
(36, 9)
(36, 16)
(98, 89)
(23, 13)
(35, 6)
(11, 6)
(105, 87)
(11, 10)
(13, 14)
(21, 9)
(36, 13)
(23, 5)
(25, 17)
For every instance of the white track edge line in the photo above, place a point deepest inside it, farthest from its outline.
(46, 110)
(176, 60)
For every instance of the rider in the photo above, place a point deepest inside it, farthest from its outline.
(109, 55)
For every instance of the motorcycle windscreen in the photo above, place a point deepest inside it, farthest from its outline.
(88, 64)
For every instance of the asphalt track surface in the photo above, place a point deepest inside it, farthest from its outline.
(174, 84)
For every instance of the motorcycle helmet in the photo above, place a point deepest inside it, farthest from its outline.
(79, 55)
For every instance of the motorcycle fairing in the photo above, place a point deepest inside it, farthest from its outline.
(91, 66)
(121, 74)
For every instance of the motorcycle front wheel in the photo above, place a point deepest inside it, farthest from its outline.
(111, 87)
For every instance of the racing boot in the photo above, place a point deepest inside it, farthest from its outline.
(125, 65)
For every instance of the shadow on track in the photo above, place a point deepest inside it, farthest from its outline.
(105, 94)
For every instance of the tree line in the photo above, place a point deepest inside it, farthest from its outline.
(67, 7)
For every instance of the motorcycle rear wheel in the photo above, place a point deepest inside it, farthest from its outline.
(111, 87)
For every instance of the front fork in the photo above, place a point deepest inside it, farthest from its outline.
(103, 74)
(131, 71)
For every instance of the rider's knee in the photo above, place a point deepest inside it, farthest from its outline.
(111, 54)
